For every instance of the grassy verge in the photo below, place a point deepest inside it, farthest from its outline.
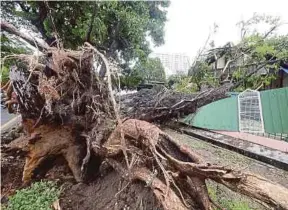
(235, 203)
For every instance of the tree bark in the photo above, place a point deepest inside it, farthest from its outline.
(5, 26)
(88, 35)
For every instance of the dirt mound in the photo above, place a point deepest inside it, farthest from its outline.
(11, 175)
(109, 191)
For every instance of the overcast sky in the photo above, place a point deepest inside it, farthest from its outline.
(189, 21)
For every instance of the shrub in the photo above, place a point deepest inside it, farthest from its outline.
(39, 195)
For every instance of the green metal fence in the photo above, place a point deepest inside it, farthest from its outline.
(220, 115)
(275, 112)
(223, 114)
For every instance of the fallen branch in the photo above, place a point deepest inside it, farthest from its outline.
(5, 26)
(248, 184)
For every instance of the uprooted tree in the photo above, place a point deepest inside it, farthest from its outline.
(69, 110)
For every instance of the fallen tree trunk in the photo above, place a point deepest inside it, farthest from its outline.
(68, 110)
(163, 105)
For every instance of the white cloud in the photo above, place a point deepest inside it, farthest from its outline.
(189, 21)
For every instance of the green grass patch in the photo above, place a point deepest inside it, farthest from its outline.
(226, 203)
(39, 196)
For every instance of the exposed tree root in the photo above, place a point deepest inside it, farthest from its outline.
(50, 141)
(245, 183)
(168, 200)
(68, 110)
(194, 174)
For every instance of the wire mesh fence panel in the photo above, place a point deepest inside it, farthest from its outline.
(250, 112)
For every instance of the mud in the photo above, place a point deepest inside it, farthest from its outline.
(11, 175)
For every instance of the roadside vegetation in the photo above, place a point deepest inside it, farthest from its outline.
(224, 202)
(40, 195)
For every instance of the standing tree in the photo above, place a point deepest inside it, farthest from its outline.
(150, 70)
(117, 28)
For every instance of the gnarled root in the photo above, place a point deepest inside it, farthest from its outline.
(183, 172)
(248, 184)
(142, 136)
(49, 141)
(169, 201)
(11, 97)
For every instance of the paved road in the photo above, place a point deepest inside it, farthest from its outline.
(5, 116)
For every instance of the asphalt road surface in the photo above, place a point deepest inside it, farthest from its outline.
(5, 116)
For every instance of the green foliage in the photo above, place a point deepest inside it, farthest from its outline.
(9, 47)
(175, 79)
(199, 75)
(225, 203)
(238, 205)
(4, 75)
(202, 74)
(261, 48)
(150, 70)
(184, 85)
(117, 27)
(40, 195)
(256, 50)
(254, 81)
(130, 81)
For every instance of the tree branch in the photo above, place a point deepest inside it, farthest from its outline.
(253, 72)
(5, 26)
(91, 23)
(37, 19)
(23, 7)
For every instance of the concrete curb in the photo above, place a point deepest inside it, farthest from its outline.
(10, 123)
(258, 152)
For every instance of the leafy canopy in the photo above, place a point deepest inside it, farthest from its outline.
(147, 70)
(116, 27)
(150, 70)
(9, 46)
(260, 49)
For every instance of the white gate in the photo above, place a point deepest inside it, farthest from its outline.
(250, 112)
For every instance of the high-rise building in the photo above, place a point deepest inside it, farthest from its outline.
(173, 63)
